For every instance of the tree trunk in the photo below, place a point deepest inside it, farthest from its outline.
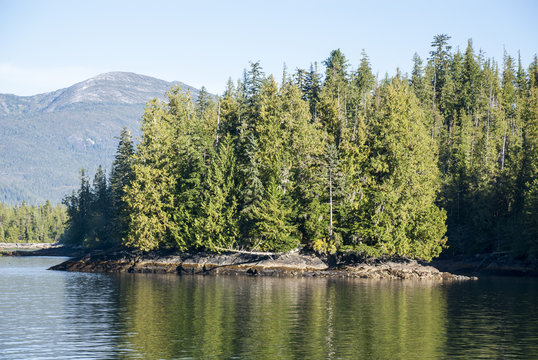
(218, 125)
(487, 124)
(330, 205)
(504, 146)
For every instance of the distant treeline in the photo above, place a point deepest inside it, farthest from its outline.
(444, 157)
(31, 224)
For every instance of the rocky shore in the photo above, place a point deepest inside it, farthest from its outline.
(253, 264)
(268, 264)
(28, 246)
(499, 263)
(39, 249)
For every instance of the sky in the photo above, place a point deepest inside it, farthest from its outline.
(48, 45)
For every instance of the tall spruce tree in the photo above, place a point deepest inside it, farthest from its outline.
(151, 194)
(401, 217)
(440, 56)
(98, 235)
(121, 177)
(217, 226)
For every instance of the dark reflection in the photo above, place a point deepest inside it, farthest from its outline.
(493, 318)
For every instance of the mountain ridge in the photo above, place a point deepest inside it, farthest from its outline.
(110, 87)
(45, 139)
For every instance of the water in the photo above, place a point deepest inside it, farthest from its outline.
(57, 315)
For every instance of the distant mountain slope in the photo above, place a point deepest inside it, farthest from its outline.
(46, 139)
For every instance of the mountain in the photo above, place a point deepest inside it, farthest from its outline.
(46, 139)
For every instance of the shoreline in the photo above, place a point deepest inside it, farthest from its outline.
(253, 264)
(40, 249)
(494, 264)
(275, 264)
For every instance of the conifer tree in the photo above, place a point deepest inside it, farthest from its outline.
(217, 226)
(151, 194)
(78, 210)
(334, 97)
(255, 78)
(312, 89)
(99, 225)
(470, 86)
(203, 102)
(364, 78)
(417, 77)
(440, 57)
(533, 73)
(252, 188)
(120, 178)
(401, 217)
(529, 181)
(274, 229)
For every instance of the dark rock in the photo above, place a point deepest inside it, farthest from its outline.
(253, 264)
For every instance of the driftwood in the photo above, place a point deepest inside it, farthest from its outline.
(259, 253)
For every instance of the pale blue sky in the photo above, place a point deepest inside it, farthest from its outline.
(46, 45)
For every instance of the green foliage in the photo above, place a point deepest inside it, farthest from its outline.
(274, 228)
(403, 167)
(404, 179)
(120, 178)
(530, 220)
(32, 224)
(97, 215)
(217, 227)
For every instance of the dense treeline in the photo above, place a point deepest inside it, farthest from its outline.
(97, 213)
(332, 162)
(28, 224)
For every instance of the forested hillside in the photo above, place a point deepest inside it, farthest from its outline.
(47, 138)
(443, 158)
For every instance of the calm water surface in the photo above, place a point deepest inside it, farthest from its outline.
(57, 315)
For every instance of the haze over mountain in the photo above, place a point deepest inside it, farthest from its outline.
(47, 138)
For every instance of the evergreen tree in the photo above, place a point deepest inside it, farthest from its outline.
(417, 78)
(364, 79)
(99, 225)
(120, 178)
(202, 103)
(533, 73)
(252, 188)
(78, 210)
(274, 229)
(401, 217)
(217, 227)
(440, 57)
(152, 192)
(336, 72)
(254, 79)
(529, 180)
(313, 89)
(470, 80)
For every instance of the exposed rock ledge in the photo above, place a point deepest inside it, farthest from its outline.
(28, 246)
(285, 265)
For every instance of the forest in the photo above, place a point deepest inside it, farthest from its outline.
(444, 159)
(29, 223)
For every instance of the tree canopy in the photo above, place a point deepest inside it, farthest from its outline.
(443, 158)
